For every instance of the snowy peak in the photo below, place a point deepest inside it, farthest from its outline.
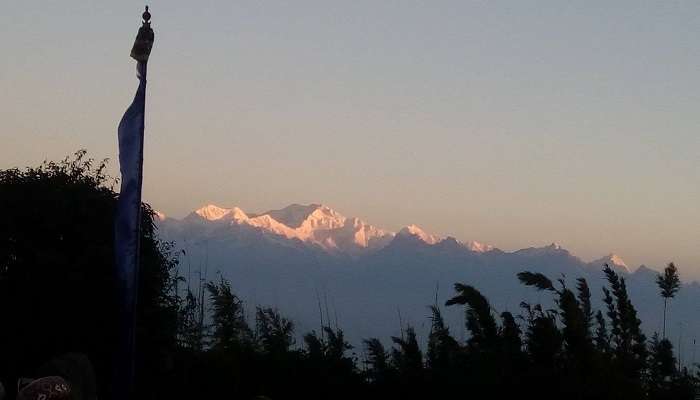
(331, 230)
(323, 218)
(314, 224)
(355, 233)
(613, 260)
(271, 225)
(478, 247)
(616, 260)
(415, 231)
(321, 227)
(215, 213)
(304, 220)
(211, 212)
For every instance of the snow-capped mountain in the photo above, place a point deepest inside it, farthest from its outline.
(613, 260)
(322, 227)
(314, 225)
(413, 230)
(286, 257)
(478, 246)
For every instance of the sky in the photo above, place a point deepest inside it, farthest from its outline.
(512, 123)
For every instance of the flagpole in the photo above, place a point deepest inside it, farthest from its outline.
(127, 237)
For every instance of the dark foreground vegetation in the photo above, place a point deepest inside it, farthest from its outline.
(57, 317)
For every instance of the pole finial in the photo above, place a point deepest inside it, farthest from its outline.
(144, 39)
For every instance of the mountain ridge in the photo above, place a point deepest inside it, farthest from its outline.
(323, 227)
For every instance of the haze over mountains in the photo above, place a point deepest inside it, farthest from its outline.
(312, 262)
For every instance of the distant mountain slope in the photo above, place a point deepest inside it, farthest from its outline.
(373, 280)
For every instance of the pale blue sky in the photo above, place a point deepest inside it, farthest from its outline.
(513, 123)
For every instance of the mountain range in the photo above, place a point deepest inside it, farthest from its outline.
(316, 264)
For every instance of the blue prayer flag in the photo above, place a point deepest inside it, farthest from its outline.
(127, 221)
(127, 224)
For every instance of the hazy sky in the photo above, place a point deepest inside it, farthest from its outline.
(513, 123)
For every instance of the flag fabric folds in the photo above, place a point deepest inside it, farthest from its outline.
(128, 219)
(128, 215)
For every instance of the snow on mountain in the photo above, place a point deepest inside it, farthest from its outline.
(269, 224)
(477, 246)
(349, 235)
(213, 213)
(367, 235)
(613, 260)
(417, 232)
(314, 224)
(414, 230)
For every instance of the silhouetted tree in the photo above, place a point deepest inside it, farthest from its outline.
(57, 281)
(480, 321)
(377, 361)
(629, 343)
(584, 298)
(191, 331)
(542, 338)
(328, 364)
(510, 335)
(669, 284)
(407, 356)
(442, 348)
(665, 380)
(230, 329)
(537, 280)
(274, 332)
(492, 354)
(337, 346)
(575, 316)
(315, 348)
(602, 338)
(662, 363)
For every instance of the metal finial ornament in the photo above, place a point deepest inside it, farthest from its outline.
(144, 39)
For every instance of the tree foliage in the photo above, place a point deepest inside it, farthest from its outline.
(669, 283)
(230, 329)
(57, 285)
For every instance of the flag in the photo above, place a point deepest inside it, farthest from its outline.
(127, 225)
